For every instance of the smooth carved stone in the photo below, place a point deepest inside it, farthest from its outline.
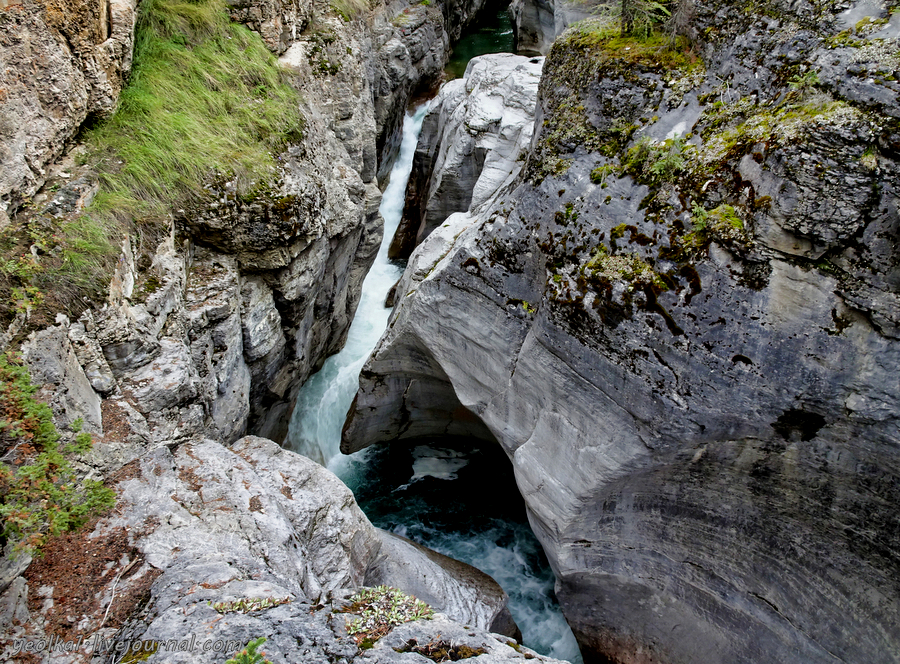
(709, 460)
(471, 145)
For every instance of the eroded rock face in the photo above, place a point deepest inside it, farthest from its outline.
(538, 22)
(215, 331)
(78, 54)
(693, 373)
(472, 144)
(278, 22)
(203, 525)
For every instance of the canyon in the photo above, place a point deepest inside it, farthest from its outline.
(661, 275)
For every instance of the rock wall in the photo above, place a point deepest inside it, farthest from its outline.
(471, 146)
(209, 335)
(538, 22)
(250, 293)
(686, 348)
(60, 62)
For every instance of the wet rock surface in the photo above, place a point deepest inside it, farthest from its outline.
(685, 348)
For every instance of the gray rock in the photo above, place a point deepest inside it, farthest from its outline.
(278, 22)
(213, 526)
(496, 648)
(54, 367)
(464, 593)
(77, 59)
(538, 22)
(706, 458)
(472, 141)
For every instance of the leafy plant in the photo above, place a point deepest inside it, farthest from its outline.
(381, 609)
(251, 654)
(41, 494)
(248, 604)
(804, 81)
(655, 163)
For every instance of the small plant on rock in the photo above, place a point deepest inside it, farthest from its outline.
(40, 493)
(656, 163)
(248, 604)
(251, 654)
(381, 609)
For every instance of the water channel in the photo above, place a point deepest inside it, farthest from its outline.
(457, 497)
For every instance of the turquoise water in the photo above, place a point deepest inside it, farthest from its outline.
(493, 35)
(462, 501)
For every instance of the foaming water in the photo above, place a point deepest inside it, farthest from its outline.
(449, 498)
(468, 508)
(323, 402)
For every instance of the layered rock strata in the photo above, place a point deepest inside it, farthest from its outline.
(682, 326)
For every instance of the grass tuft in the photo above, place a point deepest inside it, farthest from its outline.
(206, 97)
(206, 103)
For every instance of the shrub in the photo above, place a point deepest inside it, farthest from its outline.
(251, 654)
(655, 163)
(41, 494)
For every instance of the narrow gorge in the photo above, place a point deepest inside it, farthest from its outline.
(614, 310)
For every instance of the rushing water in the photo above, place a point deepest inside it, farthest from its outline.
(463, 501)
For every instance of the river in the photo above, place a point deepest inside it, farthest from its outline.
(462, 499)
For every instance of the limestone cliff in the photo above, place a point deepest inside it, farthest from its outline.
(202, 532)
(251, 291)
(471, 146)
(210, 327)
(682, 326)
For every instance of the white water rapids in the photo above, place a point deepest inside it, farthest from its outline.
(315, 431)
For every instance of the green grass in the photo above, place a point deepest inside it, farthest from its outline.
(206, 99)
(206, 103)
(603, 38)
(347, 9)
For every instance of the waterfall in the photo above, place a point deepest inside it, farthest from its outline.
(323, 401)
(436, 496)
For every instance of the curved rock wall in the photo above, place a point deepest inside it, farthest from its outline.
(693, 373)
